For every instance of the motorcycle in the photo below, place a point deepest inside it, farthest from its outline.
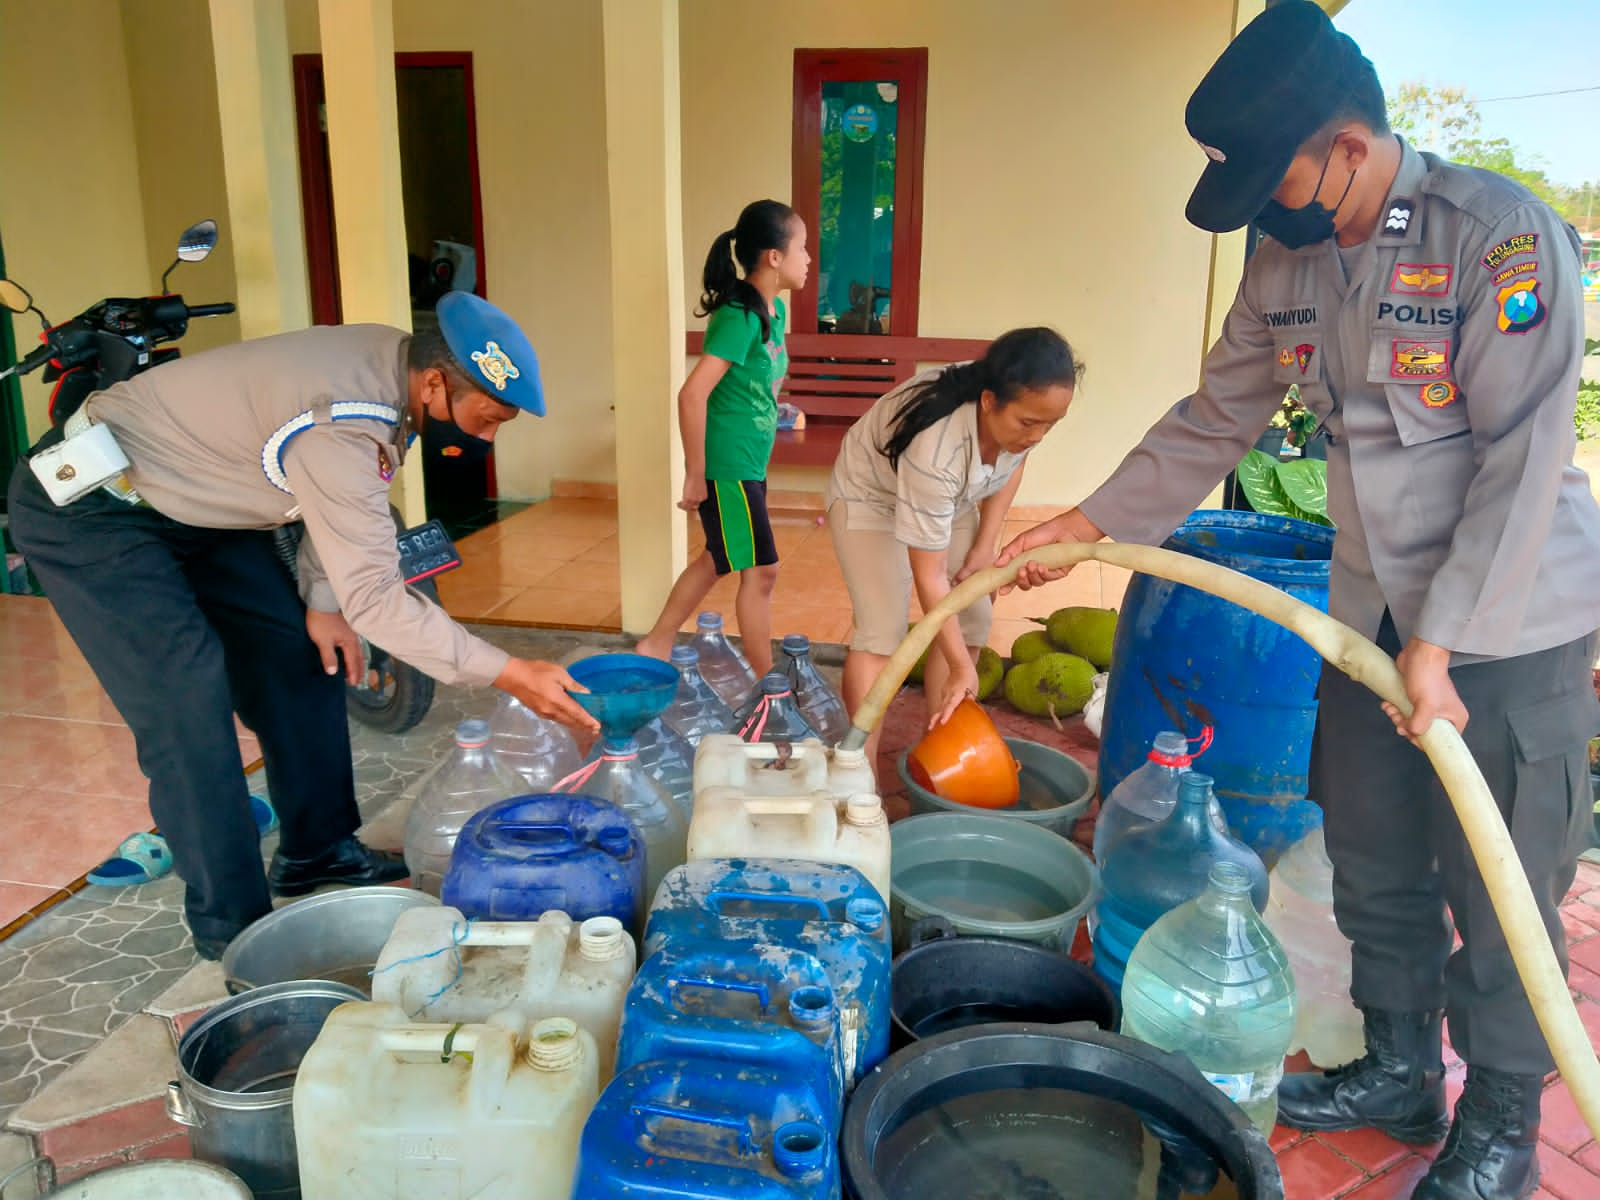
(120, 337)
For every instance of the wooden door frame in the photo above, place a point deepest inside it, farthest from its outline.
(316, 189)
(909, 67)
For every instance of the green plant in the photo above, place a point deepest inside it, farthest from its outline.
(1298, 488)
(1586, 417)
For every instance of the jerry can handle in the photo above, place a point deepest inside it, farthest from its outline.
(816, 907)
(738, 1125)
(784, 806)
(678, 982)
(518, 830)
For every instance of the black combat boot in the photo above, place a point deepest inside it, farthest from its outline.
(1492, 1152)
(1396, 1087)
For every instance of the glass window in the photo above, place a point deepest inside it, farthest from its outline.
(855, 227)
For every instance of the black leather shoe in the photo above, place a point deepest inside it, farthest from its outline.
(347, 861)
(1492, 1152)
(1396, 1087)
(210, 949)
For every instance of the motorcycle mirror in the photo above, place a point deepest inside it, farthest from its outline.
(14, 296)
(197, 241)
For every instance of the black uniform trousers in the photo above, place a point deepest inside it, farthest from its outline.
(184, 626)
(1400, 858)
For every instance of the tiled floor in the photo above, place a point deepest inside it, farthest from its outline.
(556, 565)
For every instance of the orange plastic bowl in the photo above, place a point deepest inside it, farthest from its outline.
(966, 761)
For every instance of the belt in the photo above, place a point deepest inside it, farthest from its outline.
(118, 487)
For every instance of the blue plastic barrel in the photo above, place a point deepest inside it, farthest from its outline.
(825, 909)
(687, 1129)
(728, 1002)
(525, 856)
(1184, 659)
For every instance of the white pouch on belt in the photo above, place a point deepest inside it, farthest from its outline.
(87, 458)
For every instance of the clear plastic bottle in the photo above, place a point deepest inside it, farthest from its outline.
(723, 667)
(1148, 795)
(669, 759)
(697, 709)
(539, 750)
(470, 779)
(1210, 981)
(615, 773)
(822, 707)
(771, 714)
(1153, 870)
(1300, 913)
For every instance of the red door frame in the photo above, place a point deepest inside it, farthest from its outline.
(316, 189)
(909, 68)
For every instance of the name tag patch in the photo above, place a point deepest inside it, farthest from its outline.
(1522, 243)
(1421, 279)
(1288, 318)
(1413, 359)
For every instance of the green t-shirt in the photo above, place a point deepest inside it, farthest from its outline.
(742, 413)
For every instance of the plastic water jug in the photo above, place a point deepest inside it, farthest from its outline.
(615, 773)
(466, 782)
(721, 666)
(1151, 871)
(669, 759)
(771, 713)
(523, 857)
(820, 705)
(443, 967)
(1209, 981)
(1300, 914)
(696, 710)
(767, 769)
(541, 751)
(687, 1129)
(1148, 794)
(827, 910)
(387, 1108)
(759, 1005)
(814, 827)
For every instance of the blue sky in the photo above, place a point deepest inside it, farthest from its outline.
(1498, 48)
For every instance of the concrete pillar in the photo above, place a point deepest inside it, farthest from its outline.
(647, 319)
(364, 161)
(255, 98)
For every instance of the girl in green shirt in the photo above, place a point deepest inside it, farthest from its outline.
(728, 414)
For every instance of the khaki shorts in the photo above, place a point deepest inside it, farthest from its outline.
(877, 572)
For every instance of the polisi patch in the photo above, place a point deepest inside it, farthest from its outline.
(1439, 394)
(1522, 243)
(1421, 279)
(1397, 221)
(1520, 306)
(1410, 358)
(1417, 314)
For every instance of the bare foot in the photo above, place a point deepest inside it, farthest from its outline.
(652, 649)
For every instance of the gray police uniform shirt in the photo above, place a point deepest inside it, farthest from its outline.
(302, 426)
(1445, 371)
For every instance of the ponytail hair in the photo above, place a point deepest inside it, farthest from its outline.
(1022, 360)
(763, 225)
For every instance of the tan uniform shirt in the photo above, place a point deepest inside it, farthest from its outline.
(303, 426)
(942, 474)
(1445, 370)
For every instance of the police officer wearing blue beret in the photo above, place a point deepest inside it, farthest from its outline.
(169, 581)
(1430, 316)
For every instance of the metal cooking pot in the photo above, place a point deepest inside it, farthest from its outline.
(336, 936)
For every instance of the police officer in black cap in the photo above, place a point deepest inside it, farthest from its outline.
(1430, 316)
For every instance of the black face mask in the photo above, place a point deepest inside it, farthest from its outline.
(448, 440)
(1308, 224)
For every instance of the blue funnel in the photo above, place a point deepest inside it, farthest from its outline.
(626, 691)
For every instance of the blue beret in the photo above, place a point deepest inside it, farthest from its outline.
(495, 353)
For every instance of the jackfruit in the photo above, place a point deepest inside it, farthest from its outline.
(1031, 646)
(1086, 632)
(991, 670)
(1056, 685)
